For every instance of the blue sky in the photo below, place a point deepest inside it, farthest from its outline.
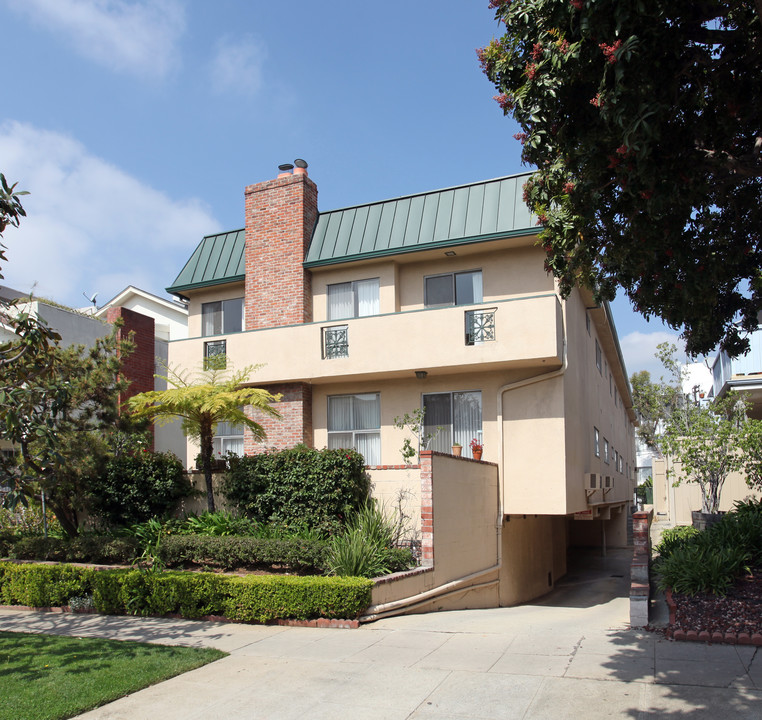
(136, 124)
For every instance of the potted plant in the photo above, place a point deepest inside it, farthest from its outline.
(476, 449)
(457, 449)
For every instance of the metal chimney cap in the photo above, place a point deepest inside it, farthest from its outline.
(285, 167)
(300, 163)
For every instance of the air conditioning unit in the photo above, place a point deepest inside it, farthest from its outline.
(592, 480)
(608, 481)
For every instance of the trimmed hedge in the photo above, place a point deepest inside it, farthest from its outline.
(230, 552)
(299, 486)
(98, 549)
(254, 598)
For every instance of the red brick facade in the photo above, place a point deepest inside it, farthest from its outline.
(280, 218)
(140, 365)
(295, 408)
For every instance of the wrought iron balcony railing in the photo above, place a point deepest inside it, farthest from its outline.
(480, 326)
(335, 342)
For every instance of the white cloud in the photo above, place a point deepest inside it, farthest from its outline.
(132, 36)
(237, 65)
(639, 351)
(90, 226)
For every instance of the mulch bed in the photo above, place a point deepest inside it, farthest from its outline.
(740, 611)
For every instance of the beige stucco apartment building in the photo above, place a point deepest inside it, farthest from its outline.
(438, 301)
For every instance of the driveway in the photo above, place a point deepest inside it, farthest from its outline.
(569, 655)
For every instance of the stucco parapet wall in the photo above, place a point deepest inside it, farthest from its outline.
(403, 574)
(526, 335)
(459, 458)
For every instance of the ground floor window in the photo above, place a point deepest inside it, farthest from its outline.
(458, 414)
(354, 421)
(228, 438)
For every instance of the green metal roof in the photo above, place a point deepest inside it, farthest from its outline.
(453, 216)
(217, 259)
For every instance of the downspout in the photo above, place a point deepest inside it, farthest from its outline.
(500, 458)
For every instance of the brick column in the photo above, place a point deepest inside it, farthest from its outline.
(280, 218)
(295, 408)
(427, 509)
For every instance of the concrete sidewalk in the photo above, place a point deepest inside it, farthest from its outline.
(570, 655)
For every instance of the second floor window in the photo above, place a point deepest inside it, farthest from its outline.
(463, 288)
(353, 299)
(222, 317)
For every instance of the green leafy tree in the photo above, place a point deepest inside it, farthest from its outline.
(60, 409)
(202, 399)
(644, 121)
(751, 446)
(656, 401)
(33, 335)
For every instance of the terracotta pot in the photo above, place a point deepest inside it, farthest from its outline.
(477, 454)
(457, 450)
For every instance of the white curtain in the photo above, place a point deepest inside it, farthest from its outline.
(211, 319)
(367, 292)
(458, 415)
(340, 301)
(467, 417)
(340, 412)
(354, 422)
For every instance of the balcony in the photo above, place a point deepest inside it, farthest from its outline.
(741, 373)
(517, 332)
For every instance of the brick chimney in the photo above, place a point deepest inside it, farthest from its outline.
(280, 217)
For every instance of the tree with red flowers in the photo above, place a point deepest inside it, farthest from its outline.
(644, 119)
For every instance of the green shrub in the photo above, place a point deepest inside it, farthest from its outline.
(673, 538)
(192, 595)
(300, 486)
(136, 487)
(98, 549)
(42, 585)
(695, 568)
(694, 561)
(27, 521)
(366, 548)
(218, 523)
(229, 553)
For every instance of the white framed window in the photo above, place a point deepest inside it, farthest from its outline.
(587, 321)
(598, 357)
(597, 442)
(458, 414)
(222, 317)
(463, 288)
(353, 299)
(354, 421)
(605, 451)
(228, 438)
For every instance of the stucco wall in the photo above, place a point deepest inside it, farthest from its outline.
(676, 503)
(534, 556)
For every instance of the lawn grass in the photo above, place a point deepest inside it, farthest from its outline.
(47, 677)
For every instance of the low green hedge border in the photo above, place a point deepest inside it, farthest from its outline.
(230, 552)
(97, 549)
(253, 598)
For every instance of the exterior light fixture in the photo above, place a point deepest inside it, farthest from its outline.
(450, 253)
(421, 374)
